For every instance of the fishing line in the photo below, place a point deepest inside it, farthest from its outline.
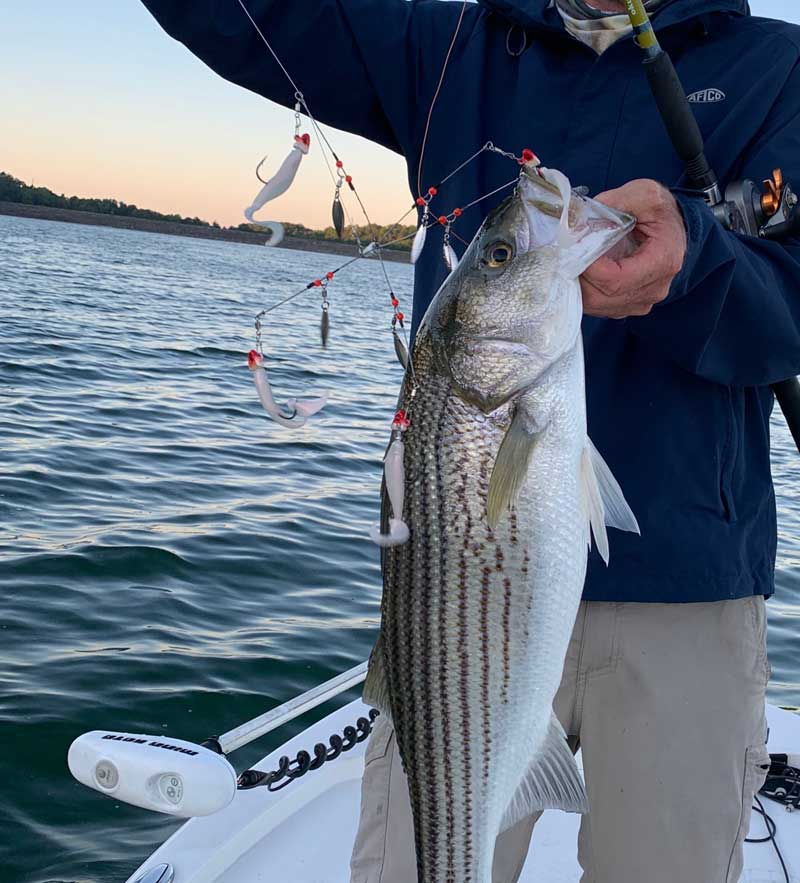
(436, 95)
(295, 412)
(489, 146)
(297, 93)
(510, 183)
(397, 223)
(457, 212)
(343, 177)
(323, 138)
(308, 287)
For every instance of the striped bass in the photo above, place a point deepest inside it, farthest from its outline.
(502, 488)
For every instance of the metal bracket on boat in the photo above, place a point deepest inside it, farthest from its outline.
(159, 874)
(289, 770)
(783, 781)
(213, 744)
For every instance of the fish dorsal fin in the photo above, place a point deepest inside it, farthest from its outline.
(376, 687)
(510, 468)
(552, 781)
(603, 499)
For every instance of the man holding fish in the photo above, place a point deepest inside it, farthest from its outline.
(662, 681)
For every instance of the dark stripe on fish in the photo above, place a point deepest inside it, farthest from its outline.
(485, 595)
(445, 705)
(506, 638)
(464, 695)
(432, 579)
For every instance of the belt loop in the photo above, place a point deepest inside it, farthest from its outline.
(522, 44)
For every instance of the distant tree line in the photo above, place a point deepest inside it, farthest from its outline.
(387, 233)
(14, 190)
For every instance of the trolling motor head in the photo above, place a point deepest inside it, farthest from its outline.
(153, 772)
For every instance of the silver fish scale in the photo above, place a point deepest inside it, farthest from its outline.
(457, 625)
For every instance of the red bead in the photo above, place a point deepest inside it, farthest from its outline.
(395, 302)
(329, 276)
(317, 283)
(528, 156)
(400, 316)
(339, 164)
(400, 420)
(420, 200)
(457, 212)
(432, 191)
(442, 219)
(349, 179)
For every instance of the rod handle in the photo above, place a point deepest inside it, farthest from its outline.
(679, 120)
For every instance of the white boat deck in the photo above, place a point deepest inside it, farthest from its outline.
(305, 832)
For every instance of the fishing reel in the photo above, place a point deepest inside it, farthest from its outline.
(769, 213)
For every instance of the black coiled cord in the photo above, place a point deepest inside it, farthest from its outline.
(288, 770)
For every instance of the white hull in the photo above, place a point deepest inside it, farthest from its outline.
(305, 832)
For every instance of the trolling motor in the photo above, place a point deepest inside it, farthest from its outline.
(769, 213)
(187, 779)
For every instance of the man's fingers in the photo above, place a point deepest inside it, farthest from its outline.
(604, 274)
(597, 302)
(611, 310)
(651, 263)
(620, 285)
(646, 266)
(642, 198)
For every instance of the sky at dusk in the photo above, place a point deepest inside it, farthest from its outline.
(98, 101)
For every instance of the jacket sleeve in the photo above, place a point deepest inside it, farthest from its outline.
(733, 312)
(359, 63)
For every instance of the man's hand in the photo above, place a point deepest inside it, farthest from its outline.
(629, 285)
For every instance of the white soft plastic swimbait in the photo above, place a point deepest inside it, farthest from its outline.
(278, 184)
(394, 476)
(295, 413)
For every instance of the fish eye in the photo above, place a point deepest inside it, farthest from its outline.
(498, 254)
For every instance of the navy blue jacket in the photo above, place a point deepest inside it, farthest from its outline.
(678, 400)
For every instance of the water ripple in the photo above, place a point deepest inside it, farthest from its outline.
(170, 560)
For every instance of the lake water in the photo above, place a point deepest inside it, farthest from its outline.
(170, 561)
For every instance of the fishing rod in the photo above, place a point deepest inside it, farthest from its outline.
(769, 213)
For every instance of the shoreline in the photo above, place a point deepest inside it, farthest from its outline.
(173, 228)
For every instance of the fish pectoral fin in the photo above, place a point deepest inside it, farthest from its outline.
(603, 499)
(510, 467)
(552, 781)
(376, 687)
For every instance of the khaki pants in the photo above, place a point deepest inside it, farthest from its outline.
(667, 702)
